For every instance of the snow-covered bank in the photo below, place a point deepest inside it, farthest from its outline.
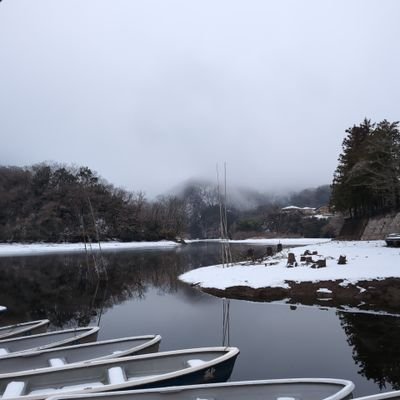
(365, 261)
(18, 249)
(268, 242)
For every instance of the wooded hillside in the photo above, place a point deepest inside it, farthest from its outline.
(56, 203)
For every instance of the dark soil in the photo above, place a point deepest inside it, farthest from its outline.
(379, 295)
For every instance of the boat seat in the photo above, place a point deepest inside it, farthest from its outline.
(195, 362)
(14, 389)
(56, 362)
(140, 378)
(285, 398)
(3, 351)
(116, 375)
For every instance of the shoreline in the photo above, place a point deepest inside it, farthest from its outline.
(30, 249)
(375, 295)
(369, 280)
(20, 249)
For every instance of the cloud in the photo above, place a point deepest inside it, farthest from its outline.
(151, 93)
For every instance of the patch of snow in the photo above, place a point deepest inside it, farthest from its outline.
(367, 260)
(19, 249)
(268, 242)
(324, 290)
(321, 216)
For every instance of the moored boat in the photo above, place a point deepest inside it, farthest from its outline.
(24, 328)
(171, 368)
(48, 340)
(393, 240)
(20, 363)
(284, 389)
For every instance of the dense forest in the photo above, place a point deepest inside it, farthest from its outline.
(58, 203)
(367, 179)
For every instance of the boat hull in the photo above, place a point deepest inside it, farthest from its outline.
(393, 242)
(189, 366)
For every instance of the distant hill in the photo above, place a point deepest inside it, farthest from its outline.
(250, 212)
(60, 203)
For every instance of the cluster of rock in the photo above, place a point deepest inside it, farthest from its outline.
(311, 259)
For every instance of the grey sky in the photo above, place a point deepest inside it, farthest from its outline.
(150, 93)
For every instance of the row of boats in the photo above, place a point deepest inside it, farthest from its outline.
(72, 364)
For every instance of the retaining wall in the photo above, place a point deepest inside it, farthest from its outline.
(379, 227)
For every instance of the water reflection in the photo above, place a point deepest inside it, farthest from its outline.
(66, 288)
(375, 344)
(143, 295)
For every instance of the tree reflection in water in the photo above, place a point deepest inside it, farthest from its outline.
(66, 289)
(375, 346)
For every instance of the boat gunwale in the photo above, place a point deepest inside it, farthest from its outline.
(26, 327)
(84, 328)
(380, 396)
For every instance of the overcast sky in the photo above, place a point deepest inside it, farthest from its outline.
(150, 93)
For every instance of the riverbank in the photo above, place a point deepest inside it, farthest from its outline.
(20, 249)
(370, 277)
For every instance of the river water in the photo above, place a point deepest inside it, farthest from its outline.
(142, 295)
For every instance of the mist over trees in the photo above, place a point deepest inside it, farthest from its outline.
(59, 203)
(367, 179)
(251, 213)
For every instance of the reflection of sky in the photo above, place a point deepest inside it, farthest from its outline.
(275, 341)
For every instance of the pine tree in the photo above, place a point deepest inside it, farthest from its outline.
(366, 180)
(348, 174)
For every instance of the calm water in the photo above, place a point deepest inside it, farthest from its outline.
(143, 296)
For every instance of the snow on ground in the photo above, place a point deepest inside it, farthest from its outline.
(18, 249)
(365, 261)
(268, 242)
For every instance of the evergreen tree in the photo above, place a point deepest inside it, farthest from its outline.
(366, 180)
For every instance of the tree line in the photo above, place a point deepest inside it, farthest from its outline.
(367, 179)
(57, 203)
